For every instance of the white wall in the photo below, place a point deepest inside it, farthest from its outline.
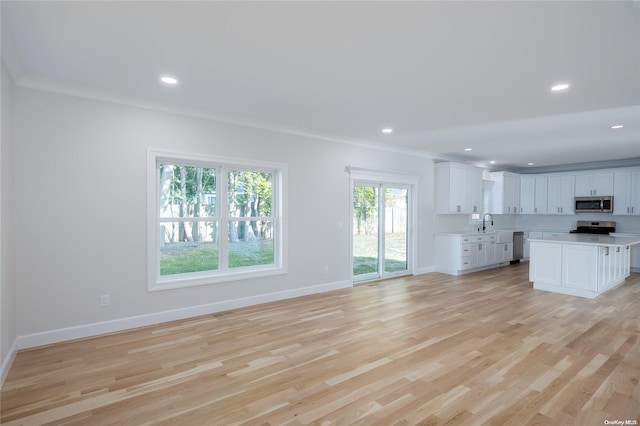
(80, 188)
(8, 329)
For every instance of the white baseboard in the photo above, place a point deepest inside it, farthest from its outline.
(7, 361)
(94, 329)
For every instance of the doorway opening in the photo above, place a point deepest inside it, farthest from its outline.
(380, 230)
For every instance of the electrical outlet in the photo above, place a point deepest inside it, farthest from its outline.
(326, 269)
(105, 300)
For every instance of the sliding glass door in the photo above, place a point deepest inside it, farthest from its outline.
(380, 225)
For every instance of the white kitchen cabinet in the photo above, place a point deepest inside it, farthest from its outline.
(626, 193)
(561, 194)
(503, 252)
(458, 189)
(457, 254)
(505, 195)
(533, 194)
(594, 184)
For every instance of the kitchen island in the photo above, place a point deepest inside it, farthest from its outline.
(584, 265)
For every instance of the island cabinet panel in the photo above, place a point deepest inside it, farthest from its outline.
(545, 265)
(580, 267)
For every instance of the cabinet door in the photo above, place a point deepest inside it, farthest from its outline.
(473, 180)
(622, 193)
(635, 193)
(584, 186)
(596, 184)
(512, 194)
(603, 184)
(527, 194)
(490, 253)
(458, 193)
(540, 206)
(580, 267)
(545, 266)
(482, 253)
(561, 194)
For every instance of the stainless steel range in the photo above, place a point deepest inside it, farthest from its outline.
(596, 227)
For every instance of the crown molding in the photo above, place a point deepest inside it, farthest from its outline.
(35, 82)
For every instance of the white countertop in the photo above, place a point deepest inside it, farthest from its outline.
(467, 233)
(591, 239)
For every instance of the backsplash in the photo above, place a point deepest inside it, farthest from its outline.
(452, 222)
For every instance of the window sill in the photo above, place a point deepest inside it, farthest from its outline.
(200, 279)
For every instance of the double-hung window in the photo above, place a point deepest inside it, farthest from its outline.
(213, 219)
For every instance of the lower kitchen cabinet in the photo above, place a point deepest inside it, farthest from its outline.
(503, 252)
(460, 254)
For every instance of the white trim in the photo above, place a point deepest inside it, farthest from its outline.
(8, 361)
(382, 176)
(94, 329)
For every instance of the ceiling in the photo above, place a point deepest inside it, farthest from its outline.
(444, 75)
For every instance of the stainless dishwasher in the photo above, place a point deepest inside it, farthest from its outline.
(518, 246)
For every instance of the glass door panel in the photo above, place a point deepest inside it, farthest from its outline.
(395, 229)
(365, 231)
(380, 230)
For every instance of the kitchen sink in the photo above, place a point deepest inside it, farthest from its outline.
(503, 236)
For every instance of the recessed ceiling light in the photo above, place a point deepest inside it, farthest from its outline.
(467, 149)
(492, 162)
(387, 130)
(168, 79)
(529, 164)
(617, 126)
(561, 86)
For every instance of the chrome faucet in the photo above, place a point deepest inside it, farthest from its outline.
(483, 222)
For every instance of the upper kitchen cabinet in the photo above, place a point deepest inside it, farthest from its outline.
(458, 188)
(594, 184)
(560, 194)
(626, 193)
(505, 196)
(533, 194)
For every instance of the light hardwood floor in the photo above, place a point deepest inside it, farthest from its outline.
(431, 349)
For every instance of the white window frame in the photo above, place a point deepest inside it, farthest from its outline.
(279, 207)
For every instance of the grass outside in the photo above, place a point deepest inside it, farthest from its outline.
(365, 253)
(182, 258)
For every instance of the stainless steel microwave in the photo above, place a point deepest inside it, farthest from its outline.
(594, 204)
